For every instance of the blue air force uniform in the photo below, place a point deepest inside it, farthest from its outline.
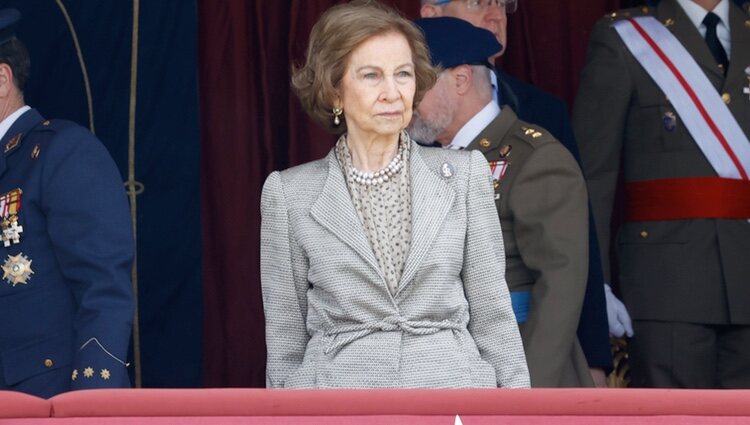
(66, 302)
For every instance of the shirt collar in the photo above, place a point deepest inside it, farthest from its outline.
(474, 126)
(10, 119)
(696, 13)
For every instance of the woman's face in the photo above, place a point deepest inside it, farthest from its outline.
(377, 90)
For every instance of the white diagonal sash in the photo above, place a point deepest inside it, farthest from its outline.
(697, 102)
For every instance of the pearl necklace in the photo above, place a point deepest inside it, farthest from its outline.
(382, 175)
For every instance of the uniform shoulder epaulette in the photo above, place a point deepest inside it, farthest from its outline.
(54, 125)
(630, 13)
(531, 132)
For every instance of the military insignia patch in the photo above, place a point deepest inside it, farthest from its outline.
(12, 143)
(10, 205)
(17, 269)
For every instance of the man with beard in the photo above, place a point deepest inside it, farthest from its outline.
(599, 314)
(539, 193)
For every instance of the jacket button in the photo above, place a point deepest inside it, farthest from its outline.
(48, 363)
(644, 234)
(726, 97)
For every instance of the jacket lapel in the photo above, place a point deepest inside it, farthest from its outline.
(432, 198)
(16, 133)
(740, 56)
(335, 211)
(689, 36)
(495, 133)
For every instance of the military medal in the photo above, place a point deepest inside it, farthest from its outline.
(497, 168)
(17, 269)
(10, 205)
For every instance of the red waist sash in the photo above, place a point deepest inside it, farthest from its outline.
(687, 197)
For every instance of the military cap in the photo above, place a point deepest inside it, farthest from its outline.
(8, 20)
(454, 42)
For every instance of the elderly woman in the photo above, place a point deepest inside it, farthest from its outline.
(382, 264)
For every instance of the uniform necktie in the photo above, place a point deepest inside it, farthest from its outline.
(714, 45)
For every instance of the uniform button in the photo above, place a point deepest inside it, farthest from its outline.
(484, 143)
(644, 234)
(48, 363)
(747, 23)
(726, 97)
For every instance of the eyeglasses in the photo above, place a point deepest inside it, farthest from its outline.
(510, 6)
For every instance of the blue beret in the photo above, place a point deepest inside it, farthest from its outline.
(8, 20)
(454, 42)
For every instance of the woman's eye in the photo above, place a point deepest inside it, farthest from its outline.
(371, 76)
(404, 74)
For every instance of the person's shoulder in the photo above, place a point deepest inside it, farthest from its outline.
(309, 172)
(632, 12)
(606, 22)
(531, 136)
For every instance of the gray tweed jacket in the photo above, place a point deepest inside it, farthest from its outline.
(330, 318)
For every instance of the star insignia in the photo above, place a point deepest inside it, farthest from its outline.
(17, 269)
(74, 376)
(88, 372)
(104, 374)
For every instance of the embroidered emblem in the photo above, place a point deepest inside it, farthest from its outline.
(12, 143)
(88, 372)
(505, 151)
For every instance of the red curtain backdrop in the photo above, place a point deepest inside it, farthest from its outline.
(252, 124)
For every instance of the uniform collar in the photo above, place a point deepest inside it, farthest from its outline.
(10, 119)
(474, 126)
(696, 14)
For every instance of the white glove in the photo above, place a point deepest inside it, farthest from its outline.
(617, 315)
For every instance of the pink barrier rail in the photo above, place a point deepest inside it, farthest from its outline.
(475, 407)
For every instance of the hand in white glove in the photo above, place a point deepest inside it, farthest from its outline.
(617, 315)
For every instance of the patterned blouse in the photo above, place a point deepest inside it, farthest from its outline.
(385, 212)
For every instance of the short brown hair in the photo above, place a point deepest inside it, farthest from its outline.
(338, 32)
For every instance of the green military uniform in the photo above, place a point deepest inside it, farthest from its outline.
(684, 282)
(542, 203)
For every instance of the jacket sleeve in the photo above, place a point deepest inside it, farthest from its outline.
(599, 119)
(492, 322)
(550, 224)
(90, 230)
(284, 286)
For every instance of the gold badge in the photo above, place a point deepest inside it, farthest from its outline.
(505, 151)
(17, 269)
(12, 143)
